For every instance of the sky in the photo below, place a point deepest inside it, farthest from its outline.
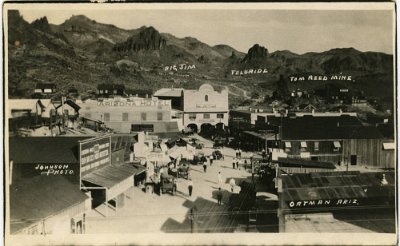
(299, 31)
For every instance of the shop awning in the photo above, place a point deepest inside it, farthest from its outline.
(389, 145)
(110, 176)
(303, 144)
(288, 145)
(336, 144)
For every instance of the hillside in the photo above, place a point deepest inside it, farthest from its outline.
(83, 53)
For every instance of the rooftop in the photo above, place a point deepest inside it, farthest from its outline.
(45, 150)
(45, 86)
(169, 92)
(287, 162)
(335, 185)
(41, 197)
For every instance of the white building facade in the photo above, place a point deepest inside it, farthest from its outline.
(205, 107)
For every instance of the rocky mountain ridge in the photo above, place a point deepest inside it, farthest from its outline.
(83, 53)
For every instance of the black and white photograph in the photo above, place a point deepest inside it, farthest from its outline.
(200, 123)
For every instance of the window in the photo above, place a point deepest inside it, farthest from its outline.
(144, 116)
(288, 146)
(106, 116)
(336, 146)
(159, 116)
(100, 91)
(316, 146)
(206, 98)
(124, 116)
(105, 91)
(303, 146)
(192, 116)
(206, 116)
(220, 116)
(115, 92)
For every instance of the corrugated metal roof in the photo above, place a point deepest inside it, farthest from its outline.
(41, 197)
(336, 185)
(288, 162)
(111, 175)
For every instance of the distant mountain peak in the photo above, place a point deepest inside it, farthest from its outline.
(344, 50)
(41, 24)
(256, 52)
(79, 18)
(147, 39)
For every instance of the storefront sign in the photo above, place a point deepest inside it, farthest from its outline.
(139, 102)
(95, 153)
(54, 169)
(249, 71)
(324, 203)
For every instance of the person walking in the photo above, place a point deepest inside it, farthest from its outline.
(233, 163)
(211, 159)
(175, 186)
(232, 184)
(219, 179)
(240, 153)
(205, 166)
(219, 196)
(190, 187)
(237, 153)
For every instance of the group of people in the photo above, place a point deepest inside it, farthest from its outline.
(237, 161)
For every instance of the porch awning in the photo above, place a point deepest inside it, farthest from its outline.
(389, 145)
(336, 144)
(111, 176)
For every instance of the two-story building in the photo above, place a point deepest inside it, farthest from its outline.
(134, 114)
(205, 108)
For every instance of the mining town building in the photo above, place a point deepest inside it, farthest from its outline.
(342, 140)
(204, 108)
(134, 114)
(69, 167)
(337, 202)
(44, 189)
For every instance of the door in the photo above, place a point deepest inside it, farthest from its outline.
(353, 160)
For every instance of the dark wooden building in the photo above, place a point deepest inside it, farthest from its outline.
(337, 139)
(107, 90)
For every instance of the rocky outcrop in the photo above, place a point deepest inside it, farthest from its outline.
(256, 52)
(41, 24)
(148, 39)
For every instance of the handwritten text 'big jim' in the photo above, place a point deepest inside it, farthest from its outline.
(321, 78)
